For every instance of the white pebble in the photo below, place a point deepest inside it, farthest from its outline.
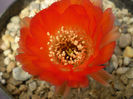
(122, 70)
(15, 19)
(5, 45)
(16, 39)
(6, 52)
(14, 46)
(1, 73)
(20, 74)
(126, 60)
(3, 81)
(6, 60)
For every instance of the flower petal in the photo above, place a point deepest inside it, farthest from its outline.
(75, 16)
(82, 81)
(107, 22)
(105, 26)
(110, 37)
(25, 22)
(104, 54)
(101, 76)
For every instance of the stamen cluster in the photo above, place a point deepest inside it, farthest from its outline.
(68, 47)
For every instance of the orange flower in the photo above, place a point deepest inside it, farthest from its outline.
(68, 41)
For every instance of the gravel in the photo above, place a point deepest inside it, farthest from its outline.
(22, 85)
(129, 73)
(128, 52)
(20, 74)
(125, 40)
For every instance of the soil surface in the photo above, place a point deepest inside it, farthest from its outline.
(22, 85)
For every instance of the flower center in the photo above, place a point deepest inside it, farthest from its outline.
(69, 46)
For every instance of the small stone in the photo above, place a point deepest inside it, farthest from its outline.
(24, 13)
(130, 30)
(10, 26)
(3, 81)
(7, 38)
(120, 61)
(6, 52)
(16, 92)
(122, 70)
(2, 69)
(124, 79)
(50, 94)
(128, 52)
(5, 45)
(125, 40)
(118, 85)
(1, 73)
(20, 74)
(7, 60)
(10, 67)
(110, 68)
(33, 13)
(14, 82)
(129, 73)
(52, 88)
(114, 61)
(12, 56)
(126, 60)
(16, 39)
(118, 51)
(5, 75)
(10, 87)
(14, 46)
(35, 97)
(32, 86)
(13, 34)
(131, 64)
(23, 88)
(24, 95)
(43, 5)
(15, 19)
(117, 23)
(34, 5)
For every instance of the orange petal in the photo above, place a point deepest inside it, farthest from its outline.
(97, 3)
(25, 22)
(107, 22)
(104, 54)
(105, 26)
(80, 82)
(101, 76)
(62, 89)
(75, 16)
(110, 37)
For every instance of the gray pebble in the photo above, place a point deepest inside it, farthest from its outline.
(124, 79)
(126, 60)
(129, 73)
(118, 85)
(117, 23)
(109, 68)
(32, 86)
(131, 64)
(122, 70)
(118, 51)
(20, 74)
(124, 40)
(114, 61)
